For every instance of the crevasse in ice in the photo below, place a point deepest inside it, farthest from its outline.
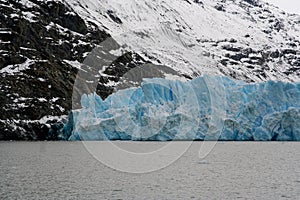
(206, 108)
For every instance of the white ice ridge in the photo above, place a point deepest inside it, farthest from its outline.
(206, 108)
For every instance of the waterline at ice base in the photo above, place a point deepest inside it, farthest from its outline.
(205, 108)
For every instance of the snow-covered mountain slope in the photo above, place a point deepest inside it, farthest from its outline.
(245, 39)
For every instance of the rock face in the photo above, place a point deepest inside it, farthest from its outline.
(44, 43)
(42, 46)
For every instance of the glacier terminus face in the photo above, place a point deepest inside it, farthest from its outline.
(205, 108)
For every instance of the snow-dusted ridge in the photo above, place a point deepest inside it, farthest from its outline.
(204, 37)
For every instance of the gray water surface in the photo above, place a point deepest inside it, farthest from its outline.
(233, 170)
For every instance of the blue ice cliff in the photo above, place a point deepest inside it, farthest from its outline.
(206, 108)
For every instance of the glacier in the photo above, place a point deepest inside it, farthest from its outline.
(205, 108)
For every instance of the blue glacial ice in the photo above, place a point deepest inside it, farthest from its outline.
(206, 108)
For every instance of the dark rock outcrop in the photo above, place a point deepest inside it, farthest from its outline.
(42, 44)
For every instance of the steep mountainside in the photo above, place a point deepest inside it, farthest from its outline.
(244, 39)
(43, 44)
